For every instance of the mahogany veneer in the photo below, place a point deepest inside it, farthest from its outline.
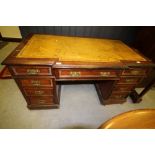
(31, 70)
(41, 62)
(35, 81)
(33, 91)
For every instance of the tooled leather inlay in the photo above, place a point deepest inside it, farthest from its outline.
(77, 49)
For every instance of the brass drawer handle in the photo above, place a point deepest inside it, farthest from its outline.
(75, 74)
(33, 71)
(104, 74)
(118, 96)
(135, 72)
(35, 83)
(41, 101)
(130, 80)
(39, 92)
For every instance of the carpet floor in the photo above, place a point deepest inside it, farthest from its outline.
(79, 106)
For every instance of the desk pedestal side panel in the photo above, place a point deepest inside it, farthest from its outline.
(37, 85)
(116, 92)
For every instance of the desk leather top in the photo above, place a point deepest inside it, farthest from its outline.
(78, 49)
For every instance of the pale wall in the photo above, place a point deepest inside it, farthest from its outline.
(10, 31)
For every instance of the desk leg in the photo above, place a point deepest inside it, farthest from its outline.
(138, 97)
(99, 94)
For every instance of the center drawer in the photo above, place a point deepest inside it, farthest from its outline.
(86, 73)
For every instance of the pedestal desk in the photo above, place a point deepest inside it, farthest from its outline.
(41, 62)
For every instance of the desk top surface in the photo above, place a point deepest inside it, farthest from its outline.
(78, 49)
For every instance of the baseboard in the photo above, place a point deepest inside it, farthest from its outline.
(10, 39)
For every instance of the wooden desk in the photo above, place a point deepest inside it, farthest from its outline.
(41, 62)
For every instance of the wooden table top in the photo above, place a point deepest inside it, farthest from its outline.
(78, 49)
(136, 119)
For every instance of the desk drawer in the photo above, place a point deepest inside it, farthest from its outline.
(38, 92)
(118, 95)
(135, 72)
(41, 100)
(37, 82)
(128, 80)
(124, 88)
(80, 73)
(31, 70)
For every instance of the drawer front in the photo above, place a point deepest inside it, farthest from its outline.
(135, 72)
(31, 70)
(124, 88)
(118, 95)
(114, 101)
(79, 73)
(41, 100)
(36, 82)
(129, 80)
(38, 92)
